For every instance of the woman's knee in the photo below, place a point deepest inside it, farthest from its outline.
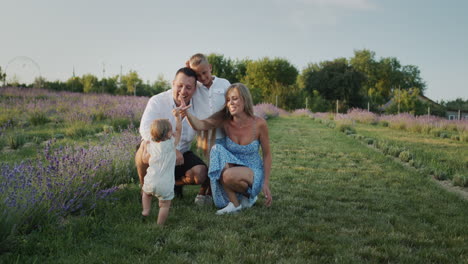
(236, 175)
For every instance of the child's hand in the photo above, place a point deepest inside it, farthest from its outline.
(183, 108)
(176, 112)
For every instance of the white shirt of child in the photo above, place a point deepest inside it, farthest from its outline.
(211, 100)
(161, 106)
(159, 179)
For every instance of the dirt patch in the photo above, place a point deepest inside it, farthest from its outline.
(448, 185)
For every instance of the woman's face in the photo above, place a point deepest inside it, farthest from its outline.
(234, 102)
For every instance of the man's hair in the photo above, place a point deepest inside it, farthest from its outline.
(187, 71)
(159, 129)
(198, 59)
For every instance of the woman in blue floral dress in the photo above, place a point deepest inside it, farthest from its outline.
(237, 172)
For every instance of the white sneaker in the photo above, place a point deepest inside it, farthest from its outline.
(200, 199)
(245, 202)
(229, 209)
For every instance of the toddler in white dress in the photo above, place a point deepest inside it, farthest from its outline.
(161, 156)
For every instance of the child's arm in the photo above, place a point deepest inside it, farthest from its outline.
(178, 132)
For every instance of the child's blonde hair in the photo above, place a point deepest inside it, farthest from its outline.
(198, 59)
(159, 129)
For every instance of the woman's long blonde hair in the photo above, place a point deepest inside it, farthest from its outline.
(244, 93)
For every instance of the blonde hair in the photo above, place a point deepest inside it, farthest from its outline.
(159, 129)
(198, 59)
(244, 93)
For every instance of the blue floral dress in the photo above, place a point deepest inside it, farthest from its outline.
(227, 151)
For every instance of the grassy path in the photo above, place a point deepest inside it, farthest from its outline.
(335, 200)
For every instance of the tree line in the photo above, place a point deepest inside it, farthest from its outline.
(362, 81)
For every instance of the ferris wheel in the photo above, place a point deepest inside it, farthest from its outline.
(22, 70)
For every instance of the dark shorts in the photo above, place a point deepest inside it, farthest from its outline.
(190, 160)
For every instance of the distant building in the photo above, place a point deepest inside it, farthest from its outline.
(453, 114)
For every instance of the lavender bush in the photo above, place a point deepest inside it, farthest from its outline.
(70, 179)
(266, 111)
(436, 126)
(26, 104)
(302, 112)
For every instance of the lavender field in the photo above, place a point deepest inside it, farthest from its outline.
(65, 155)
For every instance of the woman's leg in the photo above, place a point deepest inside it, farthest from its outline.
(164, 206)
(236, 180)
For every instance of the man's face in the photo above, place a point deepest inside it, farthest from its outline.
(204, 76)
(184, 87)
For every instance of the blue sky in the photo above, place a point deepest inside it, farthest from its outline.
(157, 37)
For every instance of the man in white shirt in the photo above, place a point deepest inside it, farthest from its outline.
(190, 169)
(210, 98)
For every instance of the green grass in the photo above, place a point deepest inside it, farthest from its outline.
(437, 154)
(335, 201)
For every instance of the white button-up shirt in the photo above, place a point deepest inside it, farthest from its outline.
(210, 101)
(161, 106)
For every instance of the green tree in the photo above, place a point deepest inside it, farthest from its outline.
(108, 85)
(457, 104)
(411, 78)
(334, 80)
(160, 85)
(232, 70)
(131, 82)
(269, 79)
(39, 82)
(2, 76)
(74, 84)
(89, 83)
(406, 101)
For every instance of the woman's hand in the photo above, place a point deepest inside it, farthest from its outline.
(266, 192)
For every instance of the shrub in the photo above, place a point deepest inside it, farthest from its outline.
(108, 129)
(464, 136)
(120, 123)
(38, 118)
(16, 140)
(405, 156)
(384, 123)
(78, 129)
(460, 180)
(455, 137)
(436, 132)
(369, 141)
(394, 151)
(98, 116)
(444, 135)
(343, 127)
(440, 175)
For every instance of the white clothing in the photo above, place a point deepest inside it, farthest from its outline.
(211, 100)
(161, 106)
(159, 179)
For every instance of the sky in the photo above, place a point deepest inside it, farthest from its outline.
(55, 38)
